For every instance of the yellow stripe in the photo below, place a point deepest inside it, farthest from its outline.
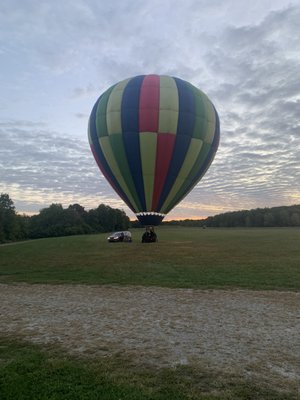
(148, 142)
(168, 105)
(113, 110)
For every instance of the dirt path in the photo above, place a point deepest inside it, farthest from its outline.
(248, 332)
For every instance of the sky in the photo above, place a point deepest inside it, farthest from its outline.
(57, 57)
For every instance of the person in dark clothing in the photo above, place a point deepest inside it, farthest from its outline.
(153, 236)
(149, 235)
(146, 236)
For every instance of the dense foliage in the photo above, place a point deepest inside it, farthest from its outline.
(259, 217)
(57, 221)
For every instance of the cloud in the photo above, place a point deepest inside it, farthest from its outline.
(259, 75)
(40, 167)
(59, 56)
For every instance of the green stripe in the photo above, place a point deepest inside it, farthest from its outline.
(113, 111)
(168, 105)
(211, 121)
(193, 173)
(101, 125)
(89, 132)
(210, 131)
(117, 146)
(111, 160)
(205, 117)
(148, 141)
(200, 120)
(187, 166)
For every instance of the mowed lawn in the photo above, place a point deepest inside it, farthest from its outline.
(256, 258)
(29, 372)
(183, 257)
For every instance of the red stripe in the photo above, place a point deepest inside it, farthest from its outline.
(149, 104)
(164, 152)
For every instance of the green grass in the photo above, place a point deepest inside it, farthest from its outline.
(184, 257)
(265, 258)
(30, 373)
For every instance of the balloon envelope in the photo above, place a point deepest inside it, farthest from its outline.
(153, 137)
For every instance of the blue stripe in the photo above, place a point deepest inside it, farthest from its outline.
(130, 105)
(187, 108)
(130, 129)
(100, 155)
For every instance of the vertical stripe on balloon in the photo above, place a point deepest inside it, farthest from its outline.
(148, 141)
(181, 146)
(100, 116)
(211, 121)
(200, 111)
(113, 111)
(130, 129)
(168, 105)
(118, 148)
(149, 104)
(216, 141)
(187, 111)
(164, 151)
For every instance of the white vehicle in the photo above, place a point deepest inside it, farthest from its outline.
(122, 236)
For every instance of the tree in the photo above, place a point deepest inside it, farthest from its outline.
(107, 219)
(8, 219)
(268, 219)
(295, 219)
(49, 222)
(75, 220)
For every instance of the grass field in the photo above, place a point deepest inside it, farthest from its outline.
(184, 257)
(29, 372)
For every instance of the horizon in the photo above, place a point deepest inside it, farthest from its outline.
(167, 218)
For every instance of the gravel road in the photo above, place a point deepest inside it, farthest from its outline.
(240, 331)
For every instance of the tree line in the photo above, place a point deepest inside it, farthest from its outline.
(58, 221)
(75, 220)
(283, 216)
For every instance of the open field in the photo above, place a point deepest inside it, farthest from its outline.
(172, 320)
(184, 257)
(34, 373)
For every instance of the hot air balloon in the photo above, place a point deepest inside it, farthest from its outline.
(153, 138)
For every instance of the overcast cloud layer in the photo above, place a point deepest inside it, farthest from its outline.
(57, 57)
